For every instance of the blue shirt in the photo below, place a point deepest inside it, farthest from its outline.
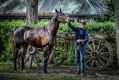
(79, 32)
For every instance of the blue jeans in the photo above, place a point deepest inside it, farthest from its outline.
(80, 52)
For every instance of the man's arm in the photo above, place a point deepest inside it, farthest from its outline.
(72, 27)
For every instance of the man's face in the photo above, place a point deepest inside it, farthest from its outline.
(81, 25)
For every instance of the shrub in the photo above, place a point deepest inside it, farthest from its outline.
(7, 28)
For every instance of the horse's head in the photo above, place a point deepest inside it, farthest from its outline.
(61, 16)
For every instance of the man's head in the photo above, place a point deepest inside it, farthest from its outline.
(82, 23)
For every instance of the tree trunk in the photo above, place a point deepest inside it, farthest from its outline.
(117, 26)
(31, 12)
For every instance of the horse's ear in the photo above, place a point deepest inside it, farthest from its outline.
(56, 11)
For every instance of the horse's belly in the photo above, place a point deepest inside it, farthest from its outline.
(43, 40)
(33, 41)
(37, 40)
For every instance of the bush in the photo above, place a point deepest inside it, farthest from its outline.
(101, 27)
(7, 28)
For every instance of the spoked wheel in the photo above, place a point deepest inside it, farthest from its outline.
(33, 58)
(98, 54)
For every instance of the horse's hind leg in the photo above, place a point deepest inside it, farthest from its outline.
(23, 56)
(15, 54)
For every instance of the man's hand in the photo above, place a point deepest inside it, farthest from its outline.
(80, 40)
(67, 20)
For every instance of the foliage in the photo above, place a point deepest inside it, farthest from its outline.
(101, 27)
(40, 23)
(7, 28)
(110, 14)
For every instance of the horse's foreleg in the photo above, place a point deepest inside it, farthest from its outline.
(47, 53)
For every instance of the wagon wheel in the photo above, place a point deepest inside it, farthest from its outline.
(32, 58)
(98, 54)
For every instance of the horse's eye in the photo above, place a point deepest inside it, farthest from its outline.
(63, 14)
(60, 14)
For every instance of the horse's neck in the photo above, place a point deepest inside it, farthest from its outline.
(54, 26)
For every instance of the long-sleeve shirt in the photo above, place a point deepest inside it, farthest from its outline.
(79, 33)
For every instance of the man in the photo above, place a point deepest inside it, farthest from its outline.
(81, 38)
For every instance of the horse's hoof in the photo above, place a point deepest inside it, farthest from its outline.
(15, 71)
(24, 71)
(45, 72)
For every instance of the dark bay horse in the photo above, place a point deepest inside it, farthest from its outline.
(43, 37)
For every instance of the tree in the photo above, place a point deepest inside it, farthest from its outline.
(31, 12)
(110, 15)
(117, 26)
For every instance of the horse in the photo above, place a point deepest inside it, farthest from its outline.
(43, 37)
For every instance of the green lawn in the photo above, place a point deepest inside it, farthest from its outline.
(54, 76)
(6, 72)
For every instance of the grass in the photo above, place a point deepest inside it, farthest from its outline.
(7, 73)
(53, 76)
